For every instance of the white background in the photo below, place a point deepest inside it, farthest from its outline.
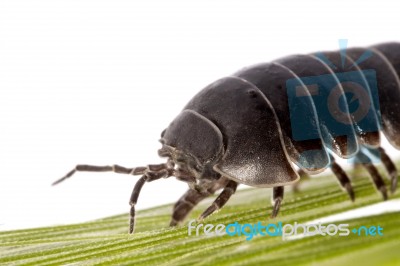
(97, 81)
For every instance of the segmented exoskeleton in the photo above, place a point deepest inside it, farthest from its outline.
(255, 125)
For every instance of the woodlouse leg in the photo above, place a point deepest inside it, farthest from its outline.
(375, 175)
(185, 204)
(190, 180)
(303, 176)
(277, 197)
(191, 198)
(343, 178)
(390, 168)
(220, 201)
(148, 177)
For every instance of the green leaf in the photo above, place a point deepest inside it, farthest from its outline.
(106, 242)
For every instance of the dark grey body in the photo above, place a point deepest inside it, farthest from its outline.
(250, 111)
(240, 129)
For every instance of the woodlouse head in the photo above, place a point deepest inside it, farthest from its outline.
(193, 143)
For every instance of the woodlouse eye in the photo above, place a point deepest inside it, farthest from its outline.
(252, 93)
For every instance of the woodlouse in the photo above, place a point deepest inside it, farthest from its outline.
(241, 129)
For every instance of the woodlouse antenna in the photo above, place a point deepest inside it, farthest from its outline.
(149, 173)
(108, 168)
